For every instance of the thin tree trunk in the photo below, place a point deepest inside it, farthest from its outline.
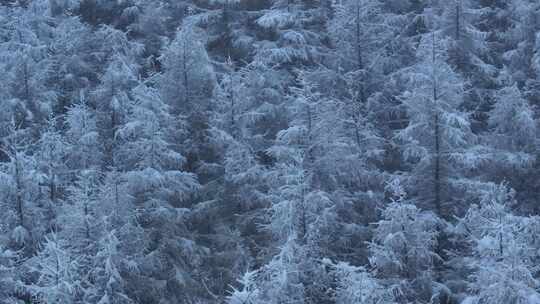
(437, 173)
(458, 20)
(232, 97)
(113, 124)
(437, 135)
(185, 74)
(19, 199)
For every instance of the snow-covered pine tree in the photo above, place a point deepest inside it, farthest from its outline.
(343, 164)
(504, 250)
(82, 221)
(111, 97)
(52, 159)
(223, 26)
(438, 140)
(512, 140)
(70, 74)
(403, 250)
(121, 246)
(248, 293)
(367, 46)
(10, 286)
(280, 280)
(462, 23)
(111, 286)
(362, 34)
(246, 105)
(160, 192)
(57, 271)
(297, 40)
(245, 102)
(520, 41)
(513, 126)
(82, 134)
(296, 184)
(186, 86)
(356, 285)
(156, 167)
(302, 214)
(458, 20)
(21, 197)
(25, 59)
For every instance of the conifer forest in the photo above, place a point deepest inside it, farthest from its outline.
(269, 152)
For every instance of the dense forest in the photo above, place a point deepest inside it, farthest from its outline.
(270, 151)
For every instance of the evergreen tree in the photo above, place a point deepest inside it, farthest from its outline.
(70, 73)
(82, 224)
(52, 161)
(111, 97)
(155, 151)
(159, 188)
(82, 134)
(503, 255)
(21, 198)
(295, 42)
(111, 284)
(512, 139)
(57, 271)
(357, 285)
(186, 86)
(403, 250)
(438, 138)
(27, 66)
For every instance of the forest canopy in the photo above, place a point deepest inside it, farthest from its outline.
(269, 151)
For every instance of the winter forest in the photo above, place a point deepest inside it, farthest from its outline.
(270, 151)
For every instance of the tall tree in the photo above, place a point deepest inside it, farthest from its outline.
(52, 157)
(186, 86)
(21, 198)
(512, 140)
(160, 190)
(111, 97)
(404, 248)
(57, 271)
(82, 227)
(357, 285)
(28, 66)
(111, 286)
(503, 250)
(438, 138)
(82, 134)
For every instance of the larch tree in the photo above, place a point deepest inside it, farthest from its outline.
(82, 225)
(56, 267)
(186, 85)
(82, 134)
(69, 74)
(52, 157)
(438, 140)
(462, 23)
(296, 43)
(111, 97)
(403, 250)
(520, 40)
(512, 140)
(28, 67)
(159, 188)
(155, 151)
(21, 197)
(355, 284)
(111, 286)
(302, 215)
(503, 256)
